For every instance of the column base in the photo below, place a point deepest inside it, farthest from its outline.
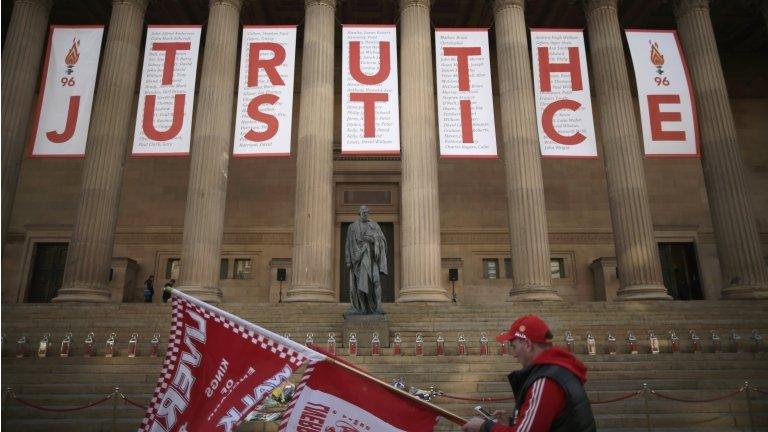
(745, 292)
(643, 292)
(423, 294)
(310, 294)
(211, 295)
(85, 293)
(533, 293)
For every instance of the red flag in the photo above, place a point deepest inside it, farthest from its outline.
(217, 369)
(330, 398)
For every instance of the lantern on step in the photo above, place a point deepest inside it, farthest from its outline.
(632, 342)
(331, 344)
(397, 348)
(716, 344)
(569, 341)
(21, 346)
(735, 341)
(483, 344)
(440, 345)
(352, 344)
(42, 346)
(418, 346)
(757, 341)
(591, 344)
(674, 342)
(653, 342)
(154, 345)
(310, 340)
(461, 345)
(88, 345)
(132, 344)
(375, 345)
(109, 350)
(66, 343)
(695, 342)
(503, 348)
(610, 344)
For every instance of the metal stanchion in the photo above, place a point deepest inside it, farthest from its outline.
(749, 407)
(647, 411)
(114, 409)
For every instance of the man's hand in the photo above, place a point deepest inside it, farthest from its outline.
(473, 425)
(349, 265)
(502, 416)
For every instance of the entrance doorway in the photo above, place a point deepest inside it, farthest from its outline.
(680, 270)
(387, 281)
(47, 272)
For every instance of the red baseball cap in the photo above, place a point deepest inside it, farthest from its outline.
(528, 327)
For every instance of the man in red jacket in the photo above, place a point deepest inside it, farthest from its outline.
(549, 389)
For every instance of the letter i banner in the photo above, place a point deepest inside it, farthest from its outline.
(561, 89)
(217, 369)
(166, 98)
(63, 114)
(665, 95)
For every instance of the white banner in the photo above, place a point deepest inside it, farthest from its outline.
(265, 96)
(464, 94)
(370, 116)
(664, 91)
(66, 91)
(166, 99)
(561, 87)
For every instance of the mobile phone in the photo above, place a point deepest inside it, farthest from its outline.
(483, 412)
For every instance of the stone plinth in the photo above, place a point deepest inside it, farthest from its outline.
(364, 326)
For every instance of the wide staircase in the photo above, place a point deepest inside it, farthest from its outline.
(672, 380)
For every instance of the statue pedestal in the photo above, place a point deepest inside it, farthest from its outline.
(364, 326)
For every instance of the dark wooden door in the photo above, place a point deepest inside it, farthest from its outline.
(680, 271)
(47, 271)
(388, 280)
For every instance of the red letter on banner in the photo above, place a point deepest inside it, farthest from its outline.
(268, 119)
(354, 64)
(149, 118)
(69, 129)
(269, 65)
(573, 67)
(369, 110)
(462, 57)
(549, 128)
(170, 49)
(657, 117)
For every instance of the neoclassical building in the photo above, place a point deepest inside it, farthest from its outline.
(515, 228)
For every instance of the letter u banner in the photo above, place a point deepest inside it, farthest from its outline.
(164, 114)
(66, 91)
(665, 95)
(561, 87)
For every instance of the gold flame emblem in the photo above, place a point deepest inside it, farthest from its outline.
(73, 55)
(656, 57)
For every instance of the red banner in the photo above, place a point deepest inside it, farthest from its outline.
(217, 369)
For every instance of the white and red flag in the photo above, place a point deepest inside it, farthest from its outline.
(333, 398)
(217, 369)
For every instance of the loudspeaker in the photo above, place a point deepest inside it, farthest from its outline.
(281, 275)
(453, 275)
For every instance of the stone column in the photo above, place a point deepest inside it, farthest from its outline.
(636, 249)
(420, 200)
(21, 66)
(211, 142)
(90, 250)
(528, 236)
(313, 215)
(738, 244)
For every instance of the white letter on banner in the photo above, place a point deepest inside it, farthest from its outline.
(464, 94)
(370, 116)
(561, 87)
(64, 105)
(664, 92)
(164, 115)
(265, 96)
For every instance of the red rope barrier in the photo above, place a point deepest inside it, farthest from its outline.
(42, 408)
(130, 402)
(484, 399)
(655, 393)
(621, 398)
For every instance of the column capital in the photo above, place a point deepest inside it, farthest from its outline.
(140, 4)
(237, 4)
(405, 4)
(327, 3)
(500, 5)
(684, 7)
(593, 5)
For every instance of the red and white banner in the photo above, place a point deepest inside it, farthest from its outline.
(66, 91)
(265, 96)
(561, 87)
(167, 95)
(464, 94)
(217, 369)
(667, 107)
(370, 116)
(333, 399)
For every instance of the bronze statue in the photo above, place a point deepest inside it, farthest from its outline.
(366, 257)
